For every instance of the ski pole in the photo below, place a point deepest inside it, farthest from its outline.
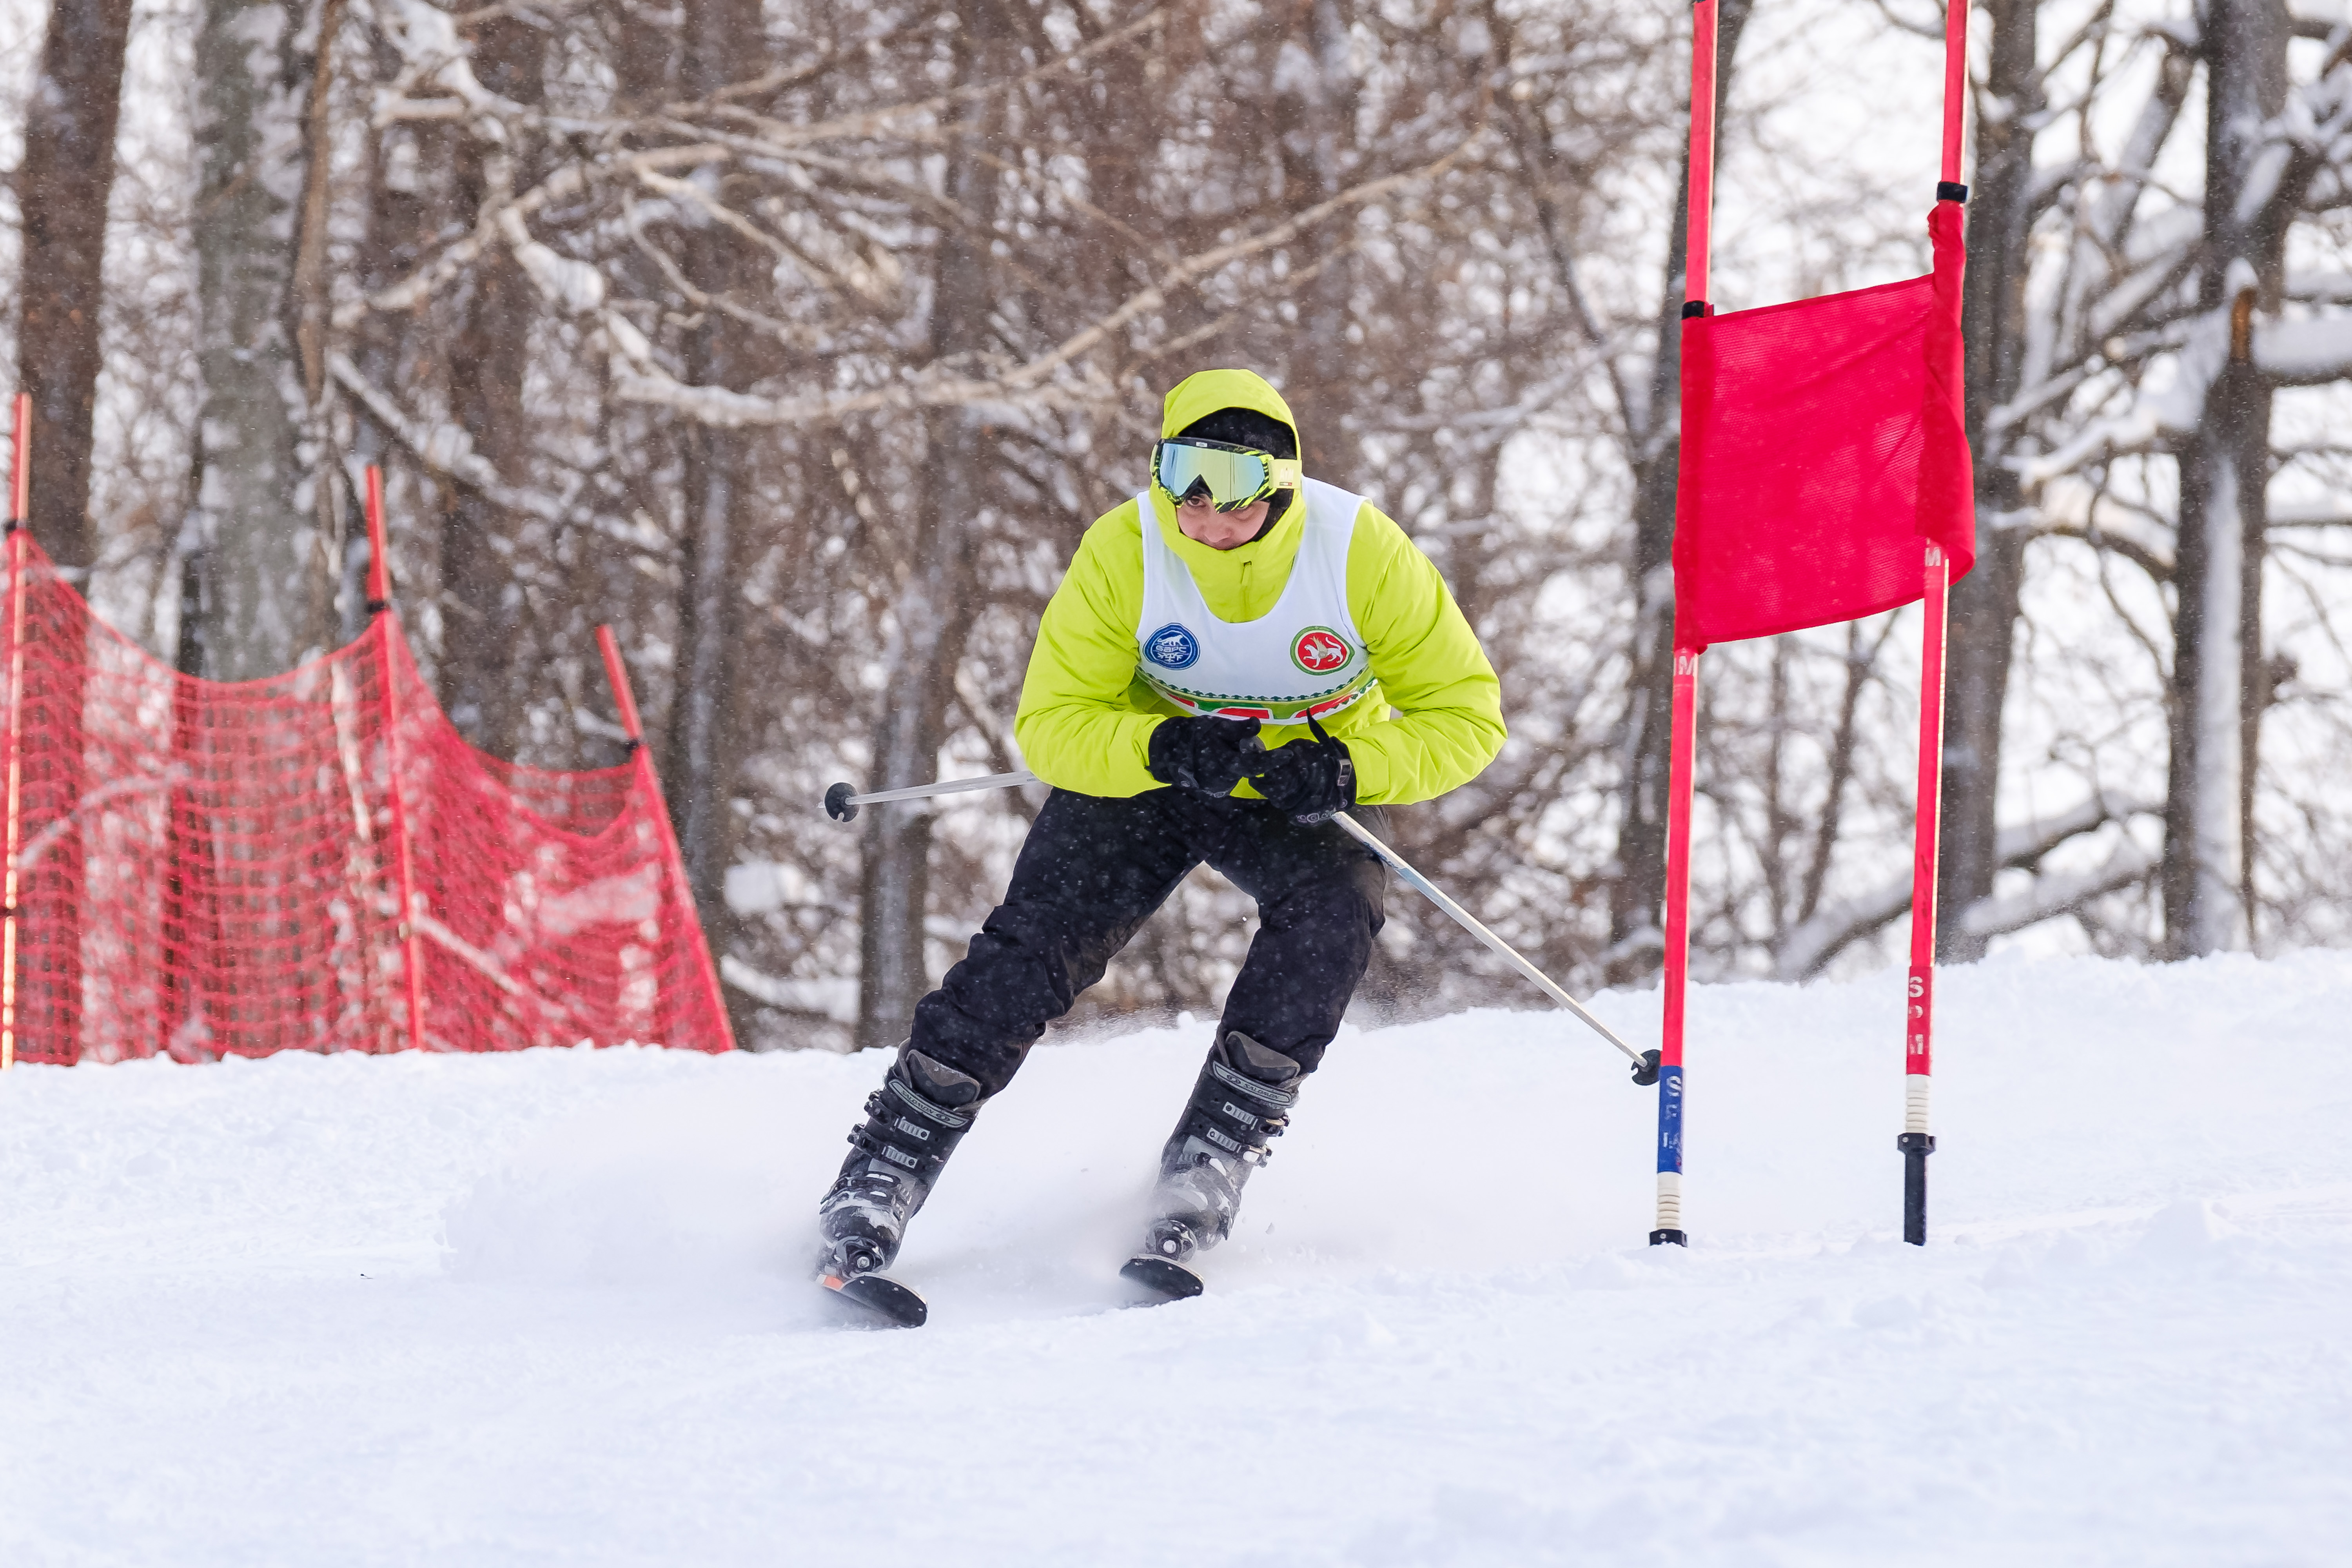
(1645, 1063)
(842, 805)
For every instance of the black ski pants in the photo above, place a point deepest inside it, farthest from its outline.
(1089, 875)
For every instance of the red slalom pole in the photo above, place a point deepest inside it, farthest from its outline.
(379, 605)
(1700, 221)
(1956, 86)
(1676, 979)
(1683, 739)
(1917, 1142)
(626, 700)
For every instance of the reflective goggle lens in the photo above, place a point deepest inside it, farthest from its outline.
(1233, 476)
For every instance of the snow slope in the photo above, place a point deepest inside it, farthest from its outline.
(546, 1307)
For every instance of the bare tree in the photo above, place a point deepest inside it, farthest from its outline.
(2224, 474)
(1652, 422)
(484, 637)
(932, 612)
(1985, 604)
(723, 42)
(2190, 283)
(61, 191)
(268, 580)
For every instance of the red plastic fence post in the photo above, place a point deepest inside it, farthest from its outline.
(1674, 982)
(1916, 1141)
(20, 503)
(381, 623)
(642, 760)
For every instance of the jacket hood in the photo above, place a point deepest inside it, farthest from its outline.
(1203, 393)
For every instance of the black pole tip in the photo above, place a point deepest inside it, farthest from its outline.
(1915, 1147)
(837, 804)
(1668, 1239)
(1645, 1071)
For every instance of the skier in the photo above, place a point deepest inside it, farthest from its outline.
(1213, 679)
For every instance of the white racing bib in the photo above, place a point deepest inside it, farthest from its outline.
(1302, 658)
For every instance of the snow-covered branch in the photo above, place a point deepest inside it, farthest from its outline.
(2150, 419)
(1809, 946)
(2057, 893)
(497, 225)
(2310, 514)
(2304, 352)
(442, 447)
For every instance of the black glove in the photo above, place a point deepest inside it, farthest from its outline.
(1308, 781)
(1210, 755)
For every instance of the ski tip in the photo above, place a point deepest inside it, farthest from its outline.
(1172, 1280)
(885, 1298)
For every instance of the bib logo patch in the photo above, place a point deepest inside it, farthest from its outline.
(1172, 648)
(1319, 650)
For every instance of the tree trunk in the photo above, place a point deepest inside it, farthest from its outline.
(1312, 138)
(1637, 895)
(62, 187)
(269, 591)
(1985, 604)
(480, 597)
(936, 605)
(2224, 471)
(724, 42)
(311, 305)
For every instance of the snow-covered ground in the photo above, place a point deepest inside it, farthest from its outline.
(547, 1307)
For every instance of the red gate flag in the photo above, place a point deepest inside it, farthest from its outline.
(1823, 446)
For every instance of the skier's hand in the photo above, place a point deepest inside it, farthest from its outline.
(1210, 755)
(1308, 781)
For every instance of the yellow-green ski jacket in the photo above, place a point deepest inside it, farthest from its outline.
(1086, 717)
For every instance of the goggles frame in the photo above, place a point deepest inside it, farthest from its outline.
(1281, 473)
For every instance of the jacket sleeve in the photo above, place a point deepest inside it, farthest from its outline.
(1076, 726)
(1430, 670)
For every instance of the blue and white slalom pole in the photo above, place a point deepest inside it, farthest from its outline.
(1676, 981)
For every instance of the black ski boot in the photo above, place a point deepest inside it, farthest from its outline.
(913, 1124)
(1241, 1099)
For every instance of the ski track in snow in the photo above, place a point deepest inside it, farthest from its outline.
(549, 1308)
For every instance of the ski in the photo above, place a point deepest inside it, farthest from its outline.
(886, 1298)
(1172, 1280)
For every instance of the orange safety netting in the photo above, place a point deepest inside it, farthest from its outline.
(206, 869)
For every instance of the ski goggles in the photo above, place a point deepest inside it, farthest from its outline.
(1233, 477)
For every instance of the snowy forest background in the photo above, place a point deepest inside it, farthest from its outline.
(800, 341)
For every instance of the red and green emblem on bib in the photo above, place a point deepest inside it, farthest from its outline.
(1319, 650)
